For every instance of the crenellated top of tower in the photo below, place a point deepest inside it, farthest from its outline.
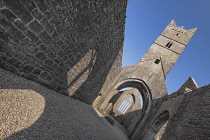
(178, 33)
(172, 25)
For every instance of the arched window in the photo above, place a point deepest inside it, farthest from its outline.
(126, 104)
(162, 118)
(160, 125)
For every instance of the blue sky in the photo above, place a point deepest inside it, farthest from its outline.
(146, 19)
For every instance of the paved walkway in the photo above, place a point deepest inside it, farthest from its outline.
(31, 111)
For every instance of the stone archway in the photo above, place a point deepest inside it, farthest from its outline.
(141, 86)
(144, 90)
(106, 107)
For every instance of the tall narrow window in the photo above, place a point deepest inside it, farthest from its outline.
(125, 104)
(169, 44)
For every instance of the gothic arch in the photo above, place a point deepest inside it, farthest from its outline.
(108, 109)
(144, 90)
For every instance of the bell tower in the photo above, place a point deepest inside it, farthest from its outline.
(168, 47)
(146, 78)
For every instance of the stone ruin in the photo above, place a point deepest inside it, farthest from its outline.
(61, 76)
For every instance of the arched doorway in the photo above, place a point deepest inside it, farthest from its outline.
(145, 96)
(120, 103)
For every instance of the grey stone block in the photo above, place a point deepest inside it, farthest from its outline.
(44, 36)
(8, 15)
(35, 26)
(18, 8)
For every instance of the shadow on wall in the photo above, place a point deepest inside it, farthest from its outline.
(63, 45)
(86, 78)
(31, 111)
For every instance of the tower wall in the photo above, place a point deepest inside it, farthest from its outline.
(178, 34)
(169, 46)
(167, 57)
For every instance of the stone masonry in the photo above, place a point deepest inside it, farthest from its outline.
(61, 76)
(147, 77)
(67, 46)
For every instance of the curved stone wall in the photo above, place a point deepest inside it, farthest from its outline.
(53, 42)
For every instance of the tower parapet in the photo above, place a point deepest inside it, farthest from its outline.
(172, 25)
(178, 33)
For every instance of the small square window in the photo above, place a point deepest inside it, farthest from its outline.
(157, 61)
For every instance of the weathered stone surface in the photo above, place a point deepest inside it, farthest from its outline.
(8, 15)
(68, 35)
(31, 35)
(75, 48)
(190, 84)
(19, 25)
(19, 9)
(37, 14)
(189, 117)
(148, 77)
(35, 26)
(30, 5)
(42, 5)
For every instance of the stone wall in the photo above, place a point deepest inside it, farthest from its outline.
(188, 116)
(191, 120)
(67, 46)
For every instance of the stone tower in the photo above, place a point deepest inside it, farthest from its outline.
(49, 47)
(168, 47)
(145, 80)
